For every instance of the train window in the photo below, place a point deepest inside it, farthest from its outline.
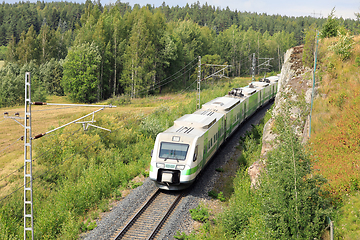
(175, 151)
(195, 153)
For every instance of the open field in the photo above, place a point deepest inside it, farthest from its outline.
(44, 118)
(2, 63)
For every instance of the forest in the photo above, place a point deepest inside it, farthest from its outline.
(91, 52)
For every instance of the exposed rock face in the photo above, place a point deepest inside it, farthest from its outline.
(295, 84)
(254, 173)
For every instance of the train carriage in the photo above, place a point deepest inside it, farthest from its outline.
(182, 151)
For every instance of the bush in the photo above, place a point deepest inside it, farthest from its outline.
(293, 200)
(200, 213)
(331, 26)
(344, 46)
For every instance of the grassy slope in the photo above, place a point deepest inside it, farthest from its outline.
(335, 143)
(2, 63)
(335, 139)
(336, 120)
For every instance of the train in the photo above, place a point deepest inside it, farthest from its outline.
(182, 151)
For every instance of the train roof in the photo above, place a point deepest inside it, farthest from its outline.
(258, 84)
(194, 124)
(222, 104)
(273, 79)
(199, 119)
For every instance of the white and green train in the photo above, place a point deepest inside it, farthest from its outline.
(183, 150)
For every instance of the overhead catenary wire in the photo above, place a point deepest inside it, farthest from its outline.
(177, 72)
(164, 82)
(11, 144)
(195, 81)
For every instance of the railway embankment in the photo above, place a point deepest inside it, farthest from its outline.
(294, 90)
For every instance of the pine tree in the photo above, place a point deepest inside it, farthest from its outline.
(293, 201)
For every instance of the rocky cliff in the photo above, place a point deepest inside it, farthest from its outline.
(295, 87)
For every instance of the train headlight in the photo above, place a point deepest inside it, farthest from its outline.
(180, 167)
(160, 165)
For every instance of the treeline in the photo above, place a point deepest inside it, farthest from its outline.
(116, 49)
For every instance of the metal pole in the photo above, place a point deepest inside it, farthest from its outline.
(331, 230)
(253, 67)
(28, 193)
(198, 84)
(313, 86)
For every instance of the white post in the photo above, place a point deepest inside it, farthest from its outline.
(28, 193)
(198, 84)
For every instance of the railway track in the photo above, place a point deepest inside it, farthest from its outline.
(150, 218)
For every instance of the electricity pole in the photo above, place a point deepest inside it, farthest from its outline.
(253, 67)
(198, 106)
(28, 178)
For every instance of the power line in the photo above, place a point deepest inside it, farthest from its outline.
(162, 83)
(177, 71)
(12, 173)
(22, 137)
(187, 87)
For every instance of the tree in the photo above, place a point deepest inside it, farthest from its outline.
(51, 74)
(331, 26)
(293, 201)
(27, 49)
(11, 87)
(81, 68)
(139, 56)
(11, 55)
(309, 46)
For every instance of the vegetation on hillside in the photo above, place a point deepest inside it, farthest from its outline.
(335, 128)
(304, 186)
(289, 202)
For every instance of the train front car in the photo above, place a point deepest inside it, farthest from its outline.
(179, 153)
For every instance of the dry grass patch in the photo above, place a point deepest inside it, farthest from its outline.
(43, 119)
(336, 121)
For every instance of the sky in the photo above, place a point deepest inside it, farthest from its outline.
(314, 8)
(317, 8)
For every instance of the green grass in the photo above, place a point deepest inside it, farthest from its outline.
(77, 173)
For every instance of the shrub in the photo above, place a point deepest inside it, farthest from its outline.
(200, 213)
(344, 46)
(331, 26)
(293, 201)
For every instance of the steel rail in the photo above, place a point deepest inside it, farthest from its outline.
(166, 215)
(137, 216)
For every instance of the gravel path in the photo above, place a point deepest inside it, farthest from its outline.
(180, 220)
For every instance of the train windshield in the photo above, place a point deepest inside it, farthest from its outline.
(175, 151)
